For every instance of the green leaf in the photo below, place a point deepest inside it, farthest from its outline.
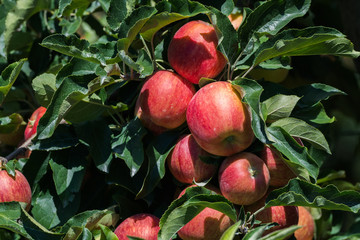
(314, 93)
(157, 152)
(299, 159)
(129, 147)
(252, 91)
(66, 7)
(10, 168)
(298, 128)
(22, 11)
(271, 17)
(70, 26)
(70, 93)
(44, 86)
(132, 24)
(97, 135)
(8, 77)
(280, 106)
(36, 230)
(256, 233)
(281, 234)
(12, 210)
(169, 12)
(295, 42)
(45, 210)
(314, 114)
(107, 234)
(9, 215)
(10, 124)
(118, 11)
(143, 65)
(300, 193)
(227, 35)
(230, 233)
(182, 210)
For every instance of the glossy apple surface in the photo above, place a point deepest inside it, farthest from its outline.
(185, 163)
(243, 178)
(163, 101)
(306, 232)
(219, 121)
(209, 224)
(193, 53)
(14, 188)
(33, 122)
(141, 225)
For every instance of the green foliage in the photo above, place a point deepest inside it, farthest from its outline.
(93, 163)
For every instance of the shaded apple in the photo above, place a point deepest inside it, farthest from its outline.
(243, 178)
(14, 188)
(186, 164)
(284, 216)
(163, 101)
(219, 121)
(209, 224)
(193, 53)
(33, 122)
(306, 220)
(280, 173)
(141, 225)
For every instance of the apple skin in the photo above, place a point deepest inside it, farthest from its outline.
(33, 122)
(285, 216)
(243, 178)
(14, 189)
(163, 101)
(209, 224)
(185, 164)
(141, 225)
(236, 19)
(219, 121)
(193, 53)
(280, 173)
(308, 225)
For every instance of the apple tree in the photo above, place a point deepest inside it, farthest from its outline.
(100, 151)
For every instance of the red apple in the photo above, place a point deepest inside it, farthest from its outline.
(141, 225)
(280, 173)
(163, 101)
(209, 224)
(285, 216)
(185, 161)
(14, 188)
(243, 178)
(218, 120)
(192, 52)
(236, 19)
(33, 122)
(308, 225)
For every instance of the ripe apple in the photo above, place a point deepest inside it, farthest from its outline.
(236, 19)
(209, 224)
(14, 188)
(185, 161)
(219, 121)
(193, 52)
(141, 225)
(280, 173)
(285, 216)
(33, 122)
(308, 225)
(163, 101)
(243, 178)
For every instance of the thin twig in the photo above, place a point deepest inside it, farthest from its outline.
(21, 149)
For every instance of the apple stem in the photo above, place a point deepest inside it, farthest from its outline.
(247, 72)
(21, 149)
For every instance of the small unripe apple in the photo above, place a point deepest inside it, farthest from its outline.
(193, 53)
(163, 101)
(280, 173)
(219, 121)
(209, 224)
(285, 216)
(243, 178)
(33, 122)
(14, 188)
(185, 161)
(141, 225)
(306, 232)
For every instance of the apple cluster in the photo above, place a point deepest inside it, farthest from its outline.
(219, 124)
